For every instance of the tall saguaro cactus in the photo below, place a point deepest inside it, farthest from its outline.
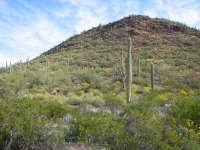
(10, 68)
(128, 72)
(122, 69)
(138, 68)
(152, 77)
(20, 64)
(27, 61)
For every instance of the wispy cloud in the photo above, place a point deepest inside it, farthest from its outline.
(81, 3)
(30, 36)
(186, 11)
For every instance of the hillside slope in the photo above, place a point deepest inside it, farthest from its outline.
(72, 95)
(160, 34)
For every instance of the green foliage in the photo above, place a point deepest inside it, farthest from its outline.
(105, 131)
(15, 81)
(184, 123)
(88, 76)
(114, 103)
(28, 123)
(187, 108)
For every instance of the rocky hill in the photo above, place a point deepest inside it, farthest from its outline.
(145, 31)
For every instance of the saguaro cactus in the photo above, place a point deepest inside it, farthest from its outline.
(138, 68)
(47, 64)
(128, 72)
(20, 64)
(10, 68)
(152, 77)
(122, 69)
(27, 61)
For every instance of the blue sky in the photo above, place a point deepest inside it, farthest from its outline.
(30, 27)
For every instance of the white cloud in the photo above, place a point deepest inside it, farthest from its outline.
(132, 7)
(4, 59)
(179, 3)
(32, 40)
(62, 1)
(116, 6)
(150, 12)
(186, 11)
(62, 13)
(101, 10)
(86, 20)
(81, 2)
(188, 16)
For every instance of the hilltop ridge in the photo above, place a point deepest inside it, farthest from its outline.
(145, 31)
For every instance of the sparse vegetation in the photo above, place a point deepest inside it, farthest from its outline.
(75, 92)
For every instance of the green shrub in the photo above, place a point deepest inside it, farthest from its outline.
(88, 76)
(15, 81)
(99, 129)
(183, 120)
(28, 124)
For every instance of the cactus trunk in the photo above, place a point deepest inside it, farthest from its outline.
(10, 68)
(128, 72)
(122, 69)
(20, 64)
(138, 69)
(152, 77)
(27, 62)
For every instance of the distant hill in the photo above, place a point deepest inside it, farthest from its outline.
(155, 33)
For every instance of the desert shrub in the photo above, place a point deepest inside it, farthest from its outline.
(141, 82)
(146, 43)
(115, 103)
(87, 75)
(36, 78)
(96, 101)
(78, 62)
(186, 108)
(73, 99)
(105, 64)
(27, 124)
(105, 131)
(169, 83)
(184, 123)
(51, 79)
(15, 81)
(54, 66)
(180, 62)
